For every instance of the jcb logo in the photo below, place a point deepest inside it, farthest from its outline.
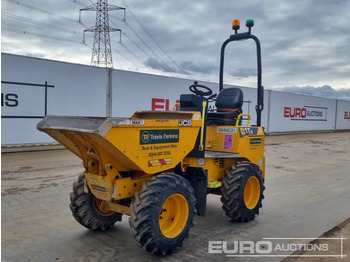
(185, 123)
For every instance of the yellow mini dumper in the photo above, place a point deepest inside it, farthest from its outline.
(158, 166)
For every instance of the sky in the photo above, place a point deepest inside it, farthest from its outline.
(305, 43)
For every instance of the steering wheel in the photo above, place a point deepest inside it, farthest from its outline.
(194, 89)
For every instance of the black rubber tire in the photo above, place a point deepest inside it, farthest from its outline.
(147, 208)
(84, 209)
(232, 189)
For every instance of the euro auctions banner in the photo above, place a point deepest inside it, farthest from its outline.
(292, 112)
(306, 113)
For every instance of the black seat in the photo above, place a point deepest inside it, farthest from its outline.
(229, 106)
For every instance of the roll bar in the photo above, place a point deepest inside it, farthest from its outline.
(260, 89)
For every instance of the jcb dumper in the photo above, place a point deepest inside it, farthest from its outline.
(158, 166)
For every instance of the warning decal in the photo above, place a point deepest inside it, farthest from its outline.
(160, 162)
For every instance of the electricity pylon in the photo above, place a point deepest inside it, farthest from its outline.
(101, 51)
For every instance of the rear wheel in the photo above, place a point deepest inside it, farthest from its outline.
(162, 213)
(242, 191)
(90, 211)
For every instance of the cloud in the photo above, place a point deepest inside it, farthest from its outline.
(244, 72)
(322, 91)
(160, 66)
(204, 68)
(185, 67)
(304, 42)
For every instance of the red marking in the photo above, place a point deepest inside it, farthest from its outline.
(160, 104)
(162, 161)
(138, 173)
(227, 109)
(295, 112)
(347, 115)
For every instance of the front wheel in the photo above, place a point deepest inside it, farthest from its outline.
(162, 213)
(242, 191)
(90, 211)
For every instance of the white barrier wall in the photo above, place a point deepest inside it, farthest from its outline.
(136, 91)
(292, 112)
(343, 115)
(32, 88)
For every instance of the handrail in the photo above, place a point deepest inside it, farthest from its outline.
(175, 105)
(239, 119)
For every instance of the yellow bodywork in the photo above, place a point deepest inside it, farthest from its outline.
(119, 154)
(227, 145)
(113, 149)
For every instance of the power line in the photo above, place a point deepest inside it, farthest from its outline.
(137, 45)
(27, 20)
(132, 53)
(40, 23)
(46, 12)
(126, 58)
(151, 54)
(41, 10)
(33, 34)
(163, 65)
(142, 50)
(149, 35)
(77, 2)
(38, 35)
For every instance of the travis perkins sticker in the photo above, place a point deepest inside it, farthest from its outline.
(159, 136)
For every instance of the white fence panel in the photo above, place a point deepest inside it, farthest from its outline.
(135, 91)
(292, 112)
(31, 88)
(343, 115)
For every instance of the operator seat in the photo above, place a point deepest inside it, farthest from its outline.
(229, 106)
